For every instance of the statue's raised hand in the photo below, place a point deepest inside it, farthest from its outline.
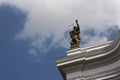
(76, 21)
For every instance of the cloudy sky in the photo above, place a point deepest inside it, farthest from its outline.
(33, 33)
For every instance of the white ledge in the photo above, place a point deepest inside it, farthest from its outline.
(91, 52)
(87, 49)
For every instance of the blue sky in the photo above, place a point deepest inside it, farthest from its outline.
(15, 61)
(31, 37)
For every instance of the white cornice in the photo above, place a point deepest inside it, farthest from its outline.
(88, 49)
(89, 53)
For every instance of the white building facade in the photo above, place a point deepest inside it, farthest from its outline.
(98, 62)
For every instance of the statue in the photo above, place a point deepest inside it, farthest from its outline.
(74, 34)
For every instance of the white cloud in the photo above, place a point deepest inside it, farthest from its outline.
(52, 17)
(33, 52)
(40, 45)
(91, 40)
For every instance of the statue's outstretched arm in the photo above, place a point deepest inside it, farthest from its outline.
(77, 25)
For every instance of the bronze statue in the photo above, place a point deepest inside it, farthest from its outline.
(74, 34)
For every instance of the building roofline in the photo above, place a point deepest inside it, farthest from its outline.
(88, 53)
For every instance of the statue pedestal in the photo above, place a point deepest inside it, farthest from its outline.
(74, 46)
(98, 62)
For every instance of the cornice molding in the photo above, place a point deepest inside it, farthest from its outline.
(90, 53)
